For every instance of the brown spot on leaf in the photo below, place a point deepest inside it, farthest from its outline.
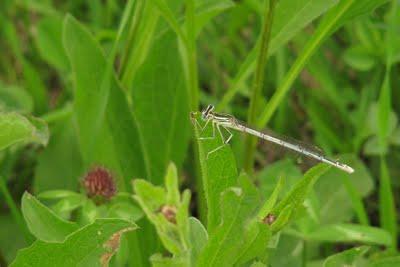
(269, 219)
(112, 246)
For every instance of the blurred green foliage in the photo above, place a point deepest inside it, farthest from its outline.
(113, 83)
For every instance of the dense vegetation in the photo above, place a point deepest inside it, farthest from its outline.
(103, 155)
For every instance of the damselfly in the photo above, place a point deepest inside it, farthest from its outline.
(227, 121)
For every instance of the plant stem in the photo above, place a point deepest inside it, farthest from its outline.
(58, 114)
(15, 211)
(258, 82)
(191, 55)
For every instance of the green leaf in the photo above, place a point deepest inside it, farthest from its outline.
(207, 9)
(167, 211)
(387, 209)
(36, 87)
(386, 262)
(255, 242)
(270, 203)
(48, 39)
(384, 109)
(346, 258)
(169, 16)
(336, 204)
(290, 17)
(92, 245)
(297, 195)
(60, 165)
(16, 128)
(120, 146)
(125, 210)
(65, 206)
(162, 115)
(226, 241)
(351, 233)
(158, 260)
(283, 218)
(359, 58)
(341, 13)
(9, 230)
(43, 223)
(13, 98)
(56, 194)
(218, 168)
(198, 239)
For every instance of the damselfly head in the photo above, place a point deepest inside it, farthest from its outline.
(206, 112)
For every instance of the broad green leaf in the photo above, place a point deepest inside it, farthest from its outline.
(350, 233)
(13, 98)
(287, 252)
(60, 165)
(218, 167)
(301, 189)
(387, 208)
(160, 107)
(346, 258)
(336, 204)
(16, 128)
(116, 142)
(92, 245)
(226, 240)
(48, 39)
(43, 223)
(255, 242)
(198, 238)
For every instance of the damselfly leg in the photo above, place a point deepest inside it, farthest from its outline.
(224, 141)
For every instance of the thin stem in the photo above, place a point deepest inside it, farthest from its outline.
(15, 211)
(58, 114)
(259, 81)
(191, 55)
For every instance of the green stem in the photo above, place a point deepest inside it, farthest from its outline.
(299, 64)
(58, 114)
(15, 211)
(258, 81)
(191, 55)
